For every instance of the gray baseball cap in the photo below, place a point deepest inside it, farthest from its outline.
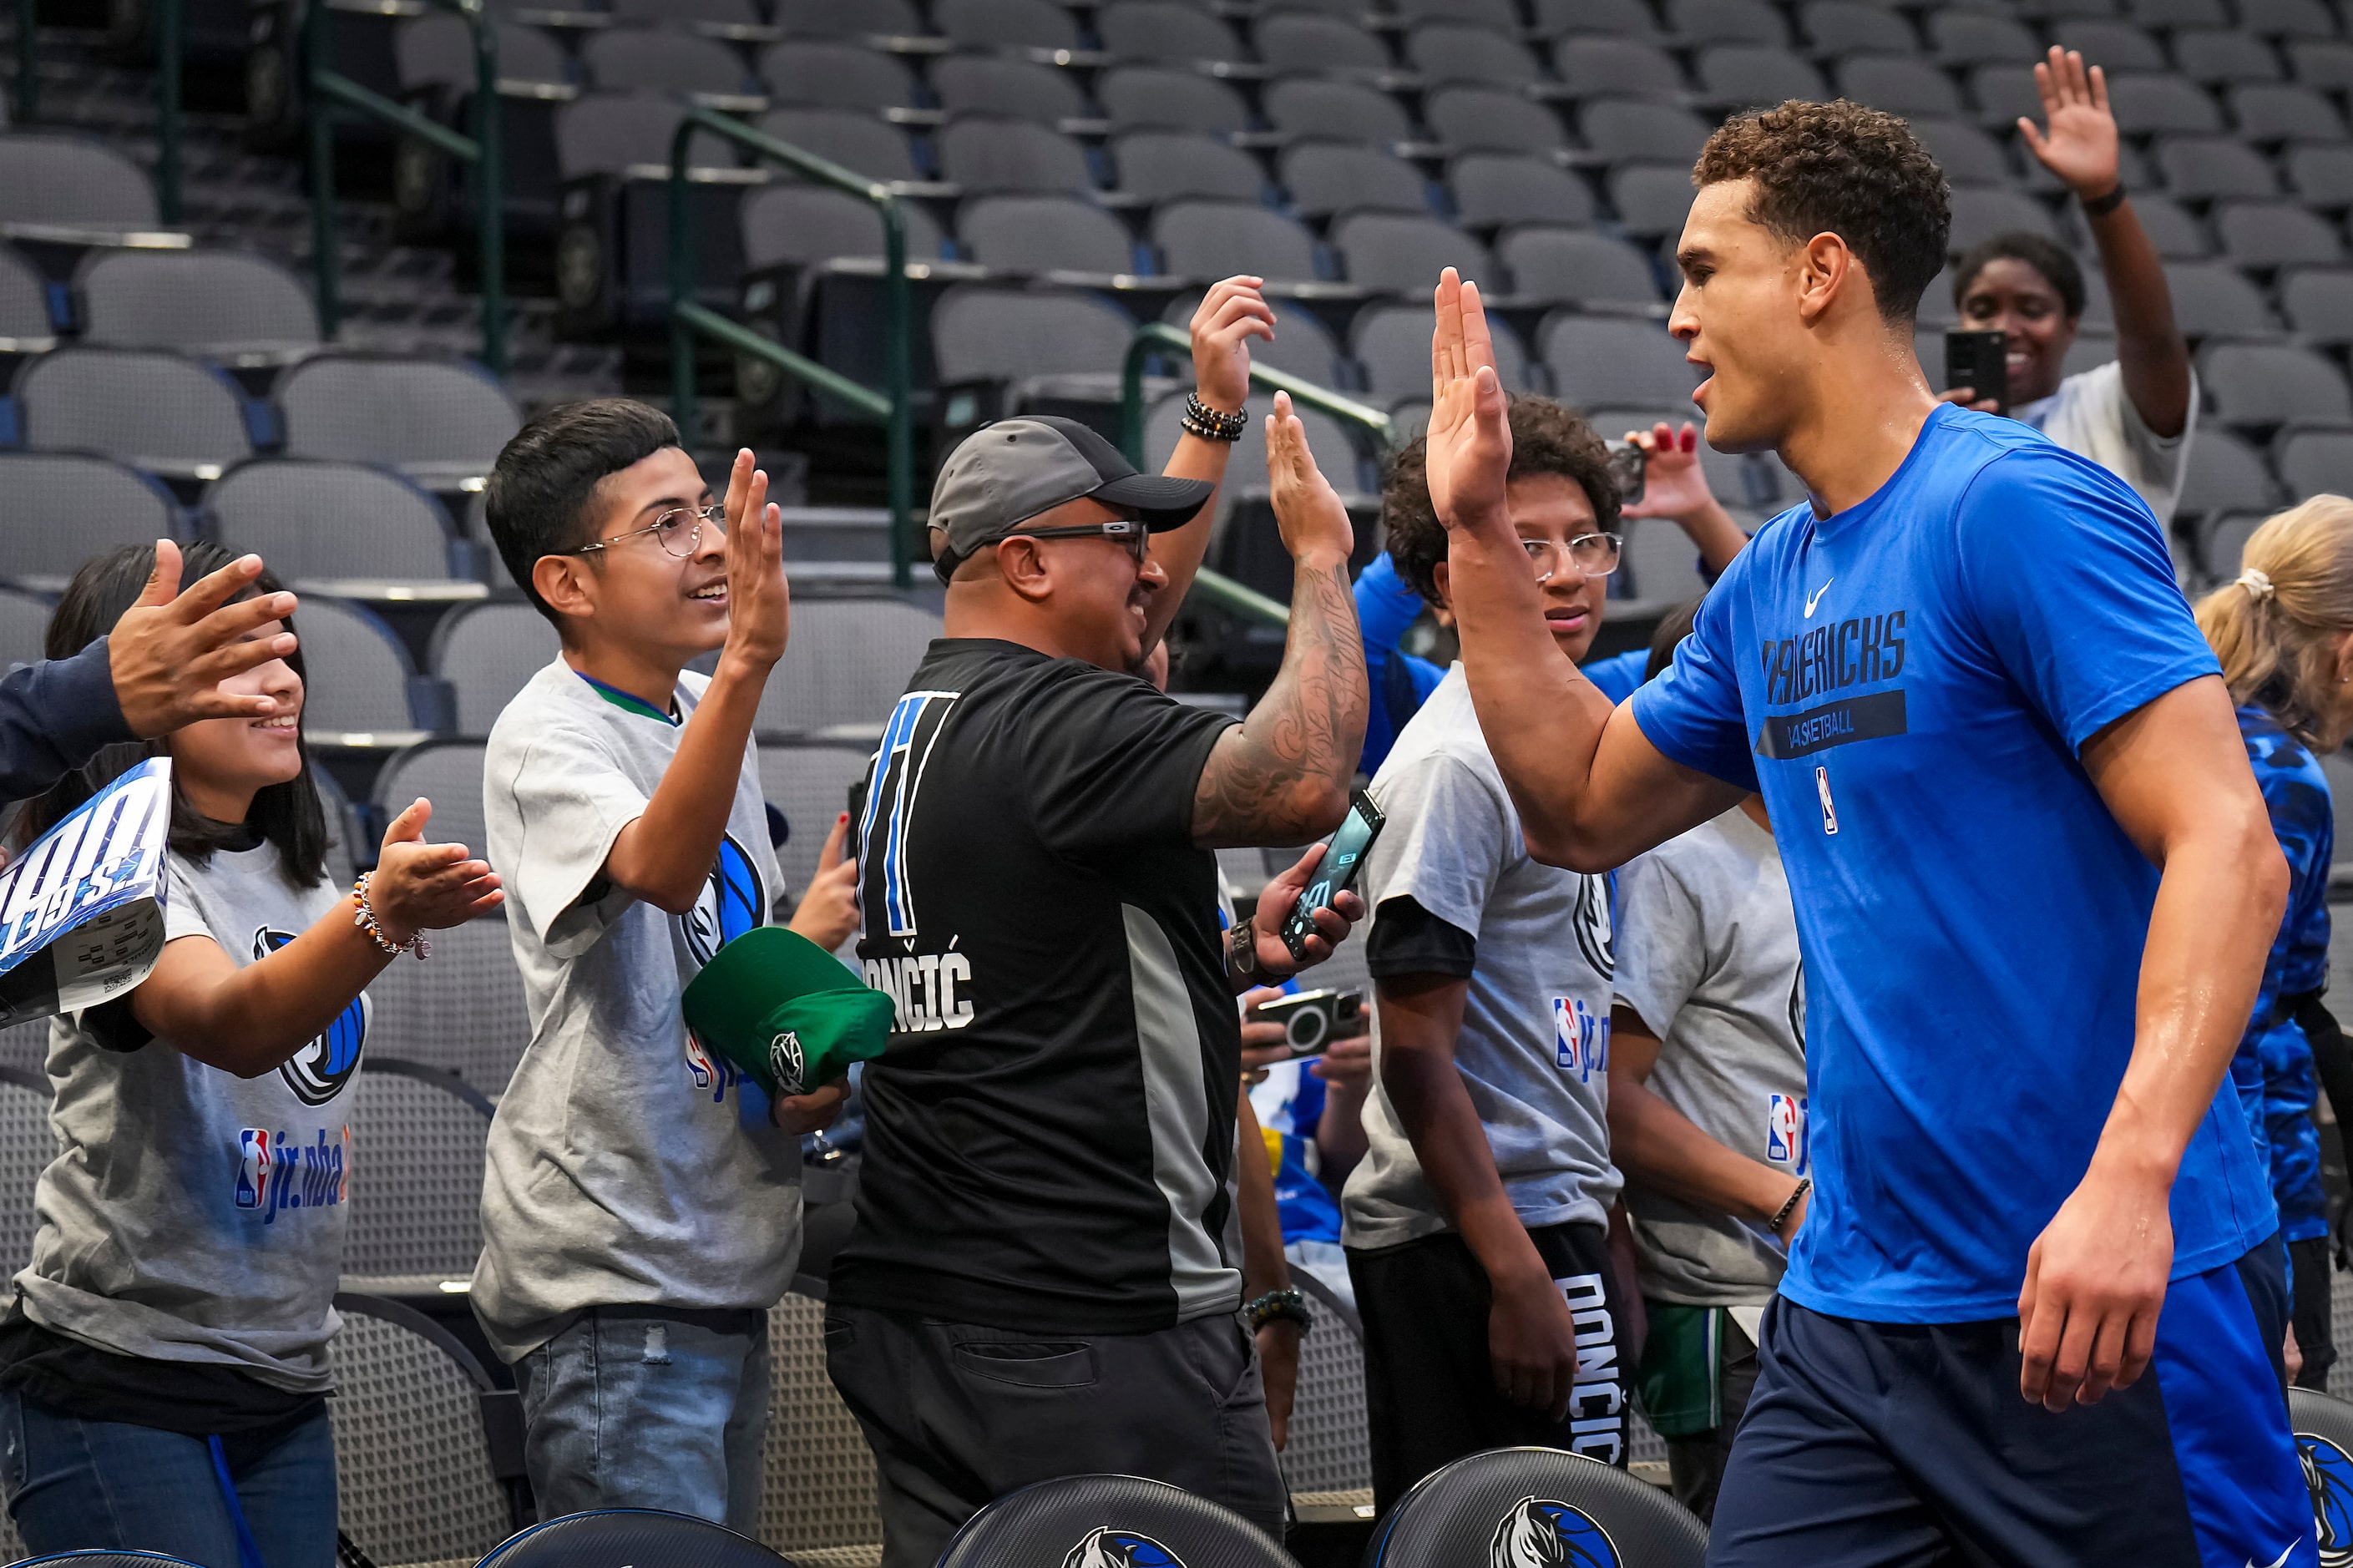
(1005, 474)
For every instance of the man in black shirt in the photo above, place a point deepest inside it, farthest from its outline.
(1042, 1281)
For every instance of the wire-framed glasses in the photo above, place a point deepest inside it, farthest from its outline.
(678, 530)
(1593, 554)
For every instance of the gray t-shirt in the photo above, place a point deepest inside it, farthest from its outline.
(193, 1215)
(2091, 416)
(621, 1169)
(1533, 1051)
(1709, 959)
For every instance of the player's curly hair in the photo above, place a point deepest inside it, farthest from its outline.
(1548, 437)
(1839, 168)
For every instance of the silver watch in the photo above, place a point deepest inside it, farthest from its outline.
(1241, 948)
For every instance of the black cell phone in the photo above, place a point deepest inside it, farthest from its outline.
(1630, 467)
(1979, 361)
(1313, 1020)
(1344, 856)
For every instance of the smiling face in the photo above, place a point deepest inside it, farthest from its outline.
(1093, 589)
(1738, 317)
(2014, 298)
(634, 592)
(1554, 510)
(219, 765)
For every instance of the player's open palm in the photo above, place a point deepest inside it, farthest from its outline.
(1469, 439)
(759, 602)
(418, 886)
(2095, 1281)
(1306, 508)
(2080, 146)
(827, 912)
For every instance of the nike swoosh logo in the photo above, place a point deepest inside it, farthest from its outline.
(2282, 1558)
(1816, 599)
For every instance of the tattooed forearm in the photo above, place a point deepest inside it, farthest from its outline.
(1281, 775)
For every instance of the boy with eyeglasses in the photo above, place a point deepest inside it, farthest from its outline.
(1476, 1223)
(641, 1204)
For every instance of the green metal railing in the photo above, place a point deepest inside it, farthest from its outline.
(330, 92)
(894, 405)
(1158, 337)
(167, 70)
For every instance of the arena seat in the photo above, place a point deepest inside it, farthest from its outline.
(1492, 189)
(1534, 1505)
(2261, 383)
(663, 60)
(1651, 200)
(1403, 253)
(223, 305)
(2199, 168)
(1021, 344)
(1563, 266)
(1969, 38)
(1728, 21)
(1597, 360)
(1329, 1453)
(1594, 66)
(1468, 117)
(2318, 303)
(1838, 28)
(1110, 1519)
(27, 1147)
(810, 224)
(1981, 212)
(2264, 235)
(1556, 19)
(2214, 57)
(2317, 462)
(1008, 88)
(1661, 562)
(360, 680)
(1452, 51)
(1162, 31)
(173, 417)
(1391, 345)
(487, 653)
(1899, 84)
(1158, 165)
(862, 143)
(2284, 112)
(1496, 16)
(817, 1500)
(630, 1535)
(463, 1013)
(1327, 178)
(2286, 18)
(1630, 129)
(56, 180)
(1037, 233)
(2214, 299)
(2176, 233)
(415, 1191)
(1754, 75)
(27, 325)
(1135, 97)
(1305, 41)
(831, 19)
(983, 153)
(314, 520)
(429, 1453)
(1334, 110)
(847, 663)
(1208, 240)
(441, 424)
(65, 507)
(1005, 24)
(23, 624)
(813, 74)
(2223, 475)
(437, 50)
(2118, 44)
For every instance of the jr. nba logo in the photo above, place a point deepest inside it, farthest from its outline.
(1580, 1038)
(1785, 1131)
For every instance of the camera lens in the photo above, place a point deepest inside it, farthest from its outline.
(1305, 1030)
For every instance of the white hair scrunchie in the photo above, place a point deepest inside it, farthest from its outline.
(2256, 581)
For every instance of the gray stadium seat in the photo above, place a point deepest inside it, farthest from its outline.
(831, 19)
(1329, 1450)
(2322, 63)
(1853, 28)
(2178, 13)
(1302, 344)
(1596, 361)
(1595, 66)
(807, 783)
(1162, 165)
(1754, 74)
(808, 224)
(2217, 55)
(1651, 198)
(1391, 342)
(25, 323)
(2112, 44)
(1336, 454)
(2147, 103)
(658, 59)
(2171, 229)
(73, 182)
(437, 50)
(1157, 96)
(1661, 562)
(2214, 299)
(358, 673)
(1980, 212)
(2318, 302)
(27, 1147)
(611, 133)
(487, 653)
(1329, 177)
(1217, 239)
(1005, 24)
(418, 1478)
(2276, 234)
(1630, 131)
(847, 663)
(2266, 384)
(1065, 340)
(313, 521)
(1625, 18)
(63, 508)
(1163, 30)
(817, 1498)
(1967, 154)
(1339, 110)
(437, 422)
(718, 18)
(1497, 16)
(1496, 188)
(1403, 253)
(154, 411)
(221, 305)
(416, 1183)
(985, 153)
(816, 75)
(2223, 474)
(2199, 168)
(2220, 543)
(1959, 38)
(1045, 234)
(2286, 18)
(1900, 85)
(860, 143)
(1013, 89)
(24, 631)
(2278, 113)
(2315, 462)
(450, 774)
(2321, 174)
(2002, 92)
(1560, 266)
(1728, 21)
(1452, 51)
(464, 1011)
(1302, 41)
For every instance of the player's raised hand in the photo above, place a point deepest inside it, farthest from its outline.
(759, 600)
(1231, 313)
(827, 912)
(2080, 146)
(2096, 1280)
(1306, 508)
(1470, 440)
(419, 887)
(170, 651)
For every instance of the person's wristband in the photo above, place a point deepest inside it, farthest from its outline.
(1213, 423)
(2101, 206)
(1781, 1216)
(1242, 950)
(1279, 1304)
(366, 920)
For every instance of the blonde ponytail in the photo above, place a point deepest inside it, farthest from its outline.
(2274, 628)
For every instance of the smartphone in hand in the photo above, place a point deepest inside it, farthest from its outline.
(1981, 361)
(1343, 857)
(1314, 1020)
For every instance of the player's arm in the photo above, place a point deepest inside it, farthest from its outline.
(1660, 1148)
(1280, 777)
(2080, 147)
(1231, 313)
(2174, 772)
(664, 856)
(247, 1019)
(1531, 1337)
(1592, 791)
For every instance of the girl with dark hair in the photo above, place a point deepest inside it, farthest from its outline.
(163, 1368)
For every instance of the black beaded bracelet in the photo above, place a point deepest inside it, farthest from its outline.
(1276, 1304)
(1213, 423)
(2101, 206)
(1781, 1216)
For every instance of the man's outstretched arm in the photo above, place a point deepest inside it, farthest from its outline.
(1591, 790)
(2175, 776)
(1231, 314)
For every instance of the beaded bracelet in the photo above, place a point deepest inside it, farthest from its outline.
(365, 920)
(1781, 1216)
(1213, 423)
(1274, 1304)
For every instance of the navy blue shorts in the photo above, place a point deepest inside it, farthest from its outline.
(1897, 1444)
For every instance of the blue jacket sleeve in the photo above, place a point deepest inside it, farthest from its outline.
(54, 717)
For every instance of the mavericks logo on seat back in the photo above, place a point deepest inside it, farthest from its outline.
(1109, 1547)
(1541, 1534)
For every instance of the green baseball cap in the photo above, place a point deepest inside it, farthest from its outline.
(788, 1013)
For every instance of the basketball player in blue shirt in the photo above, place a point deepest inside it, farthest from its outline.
(2034, 884)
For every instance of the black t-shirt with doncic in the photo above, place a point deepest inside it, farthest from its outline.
(1050, 1131)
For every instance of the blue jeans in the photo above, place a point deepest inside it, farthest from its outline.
(73, 1484)
(636, 1408)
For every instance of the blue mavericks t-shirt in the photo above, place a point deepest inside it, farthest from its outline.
(1907, 682)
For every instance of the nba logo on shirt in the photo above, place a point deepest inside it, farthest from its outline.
(714, 1076)
(252, 1167)
(1580, 1040)
(1785, 1130)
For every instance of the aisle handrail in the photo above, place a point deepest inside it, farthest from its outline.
(484, 150)
(894, 405)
